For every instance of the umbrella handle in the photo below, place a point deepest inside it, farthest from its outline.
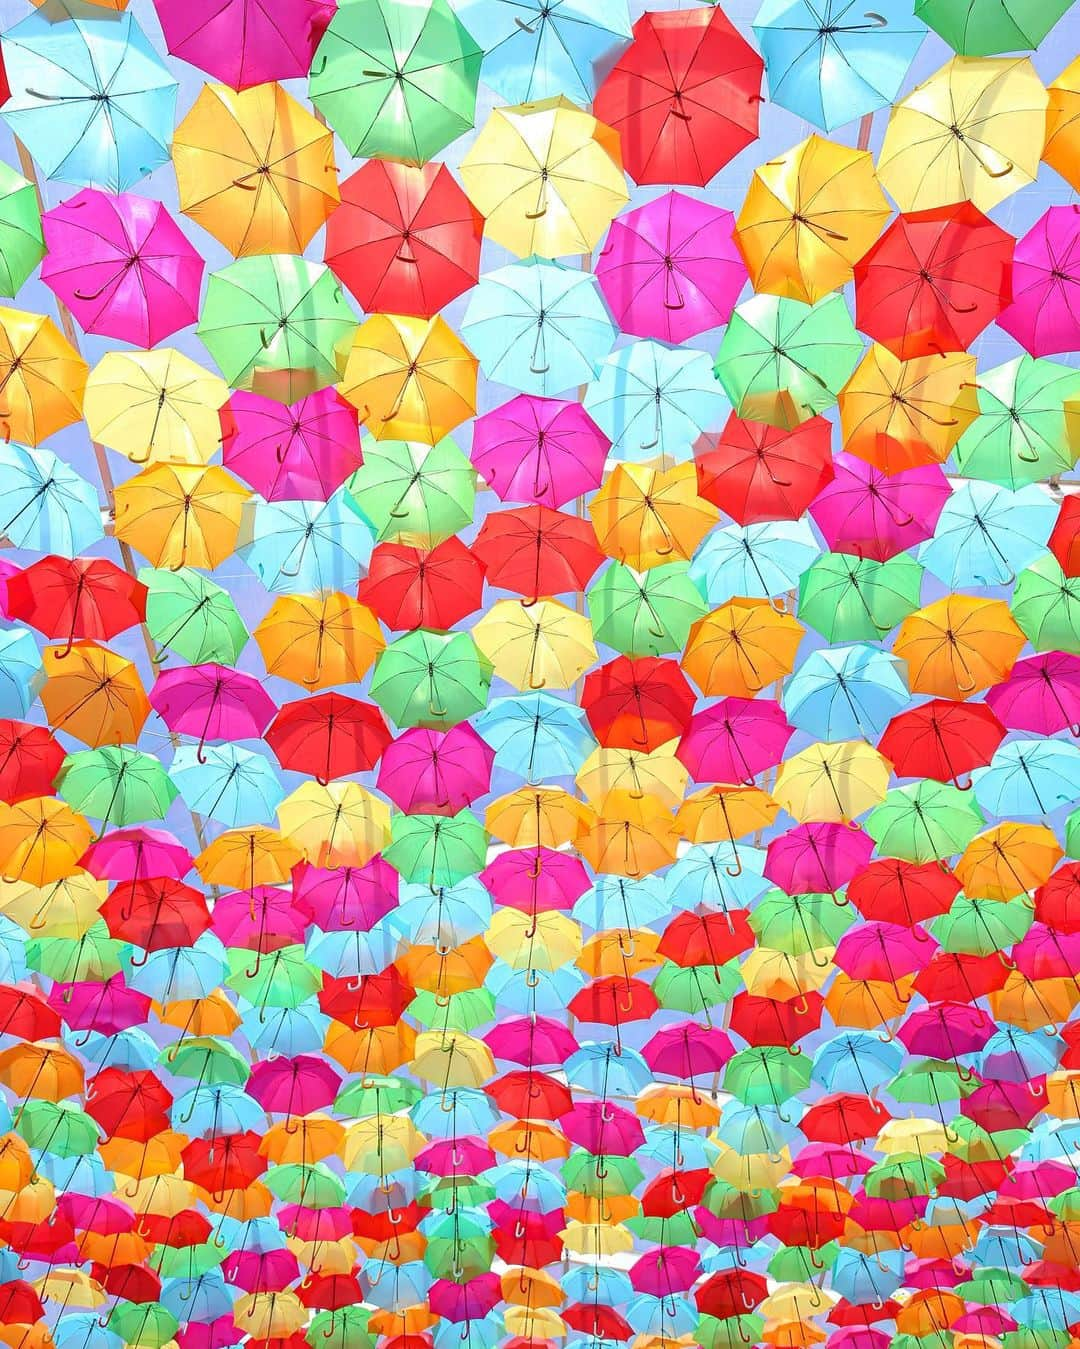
(878, 20)
(525, 27)
(1027, 458)
(412, 260)
(535, 215)
(141, 458)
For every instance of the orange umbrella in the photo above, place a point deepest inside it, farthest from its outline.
(1062, 150)
(725, 813)
(319, 640)
(41, 840)
(632, 836)
(42, 377)
(741, 647)
(445, 972)
(181, 515)
(958, 645)
(42, 1072)
(537, 817)
(93, 694)
(243, 858)
(374, 1049)
(1007, 860)
(646, 516)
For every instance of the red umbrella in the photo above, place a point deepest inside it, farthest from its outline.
(369, 1000)
(423, 587)
(128, 1105)
(76, 598)
(683, 97)
(775, 1021)
(934, 280)
(328, 736)
(952, 976)
(942, 739)
(30, 759)
(156, 913)
(843, 1118)
(530, 1095)
(329, 1292)
(536, 551)
(637, 704)
(1057, 902)
(404, 240)
(1064, 540)
(891, 891)
(707, 938)
(673, 1192)
(755, 472)
(26, 1015)
(731, 1292)
(613, 1001)
(224, 1162)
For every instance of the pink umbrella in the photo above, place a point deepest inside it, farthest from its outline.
(264, 919)
(866, 512)
(1040, 1180)
(1045, 953)
(469, 1301)
(535, 880)
(688, 1050)
(1042, 694)
(603, 1129)
(436, 772)
(1044, 316)
(734, 740)
(220, 1333)
(107, 1007)
(122, 266)
(535, 1041)
(539, 451)
(293, 1086)
(883, 951)
(814, 858)
(261, 1271)
(315, 1224)
(455, 1157)
(212, 702)
(670, 1269)
(946, 1030)
(246, 42)
(671, 269)
(136, 854)
(302, 452)
(346, 899)
(830, 1159)
(96, 1213)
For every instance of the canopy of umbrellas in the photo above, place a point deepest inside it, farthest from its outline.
(545, 823)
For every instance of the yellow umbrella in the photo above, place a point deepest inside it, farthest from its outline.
(41, 840)
(270, 1315)
(255, 169)
(832, 782)
(319, 640)
(93, 694)
(723, 813)
(741, 647)
(410, 378)
(1062, 150)
(974, 131)
(808, 217)
(382, 1144)
(660, 775)
(155, 407)
(542, 645)
(900, 414)
(340, 824)
(866, 1003)
(646, 516)
(42, 377)
(452, 1059)
(243, 858)
(1007, 860)
(547, 177)
(537, 817)
(526, 941)
(632, 836)
(71, 1287)
(918, 1136)
(958, 645)
(181, 515)
(68, 907)
(597, 1240)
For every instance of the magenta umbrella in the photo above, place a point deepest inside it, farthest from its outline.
(871, 514)
(122, 265)
(814, 858)
(883, 952)
(1044, 316)
(136, 854)
(1044, 953)
(245, 42)
(535, 1041)
(535, 880)
(671, 269)
(669, 1269)
(108, 1007)
(734, 740)
(455, 1157)
(946, 1030)
(830, 1159)
(300, 452)
(603, 1129)
(213, 703)
(96, 1213)
(261, 919)
(436, 772)
(261, 1271)
(1041, 695)
(541, 451)
(296, 1086)
(1040, 1180)
(346, 899)
(688, 1050)
(469, 1301)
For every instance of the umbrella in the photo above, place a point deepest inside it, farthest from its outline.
(544, 645)
(30, 758)
(405, 239)
(335, 824)
(318, 642)
(1044, 605)
(414, 493)
(942, 739)
(1040, 695)
(396, 83)
(1045, 280)
(739, 648)
(659, 774)
(536, 551)
(683, 97)
(735, 740)
(755, 472)
(42, 377)
(1024, 429)
(116, 785)
(245, 42)
(647, 613)
(547, 177)
(832, 62)
(438, 850)
(958, 644)
(924, 821)
(972, 132)
(232, 785)
(93, 694)
(47, 506)
(846, 692)
(984, 27)
(21, 243)
(122, 266)
(431, 679)
(302, 452)
(1060, 124)
(128, 99)
(417, 587)
(76, 598)
(637, 703)
(212, 702)
(986, 534)
(539, 450)
(832, 782)
(180, 515)
(440, 772)
(876, 515)
(329, 736)
(848, 598)
(756, 561)
(255, 169)
(21, 673)
(1027, 779)
(296, 546)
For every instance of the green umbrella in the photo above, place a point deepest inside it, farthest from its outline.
(695, 988)
(618, 1175)
(207, 1059)
(342, 1328)
(854, 599)
(982, 927)
(724, 1200)
(59, 1128)
(311, 1184)
(116, 785)
(924, 821)
(1032, 1337)
(187, 1262)
(993, 1285)
(796, 924)
(396, 81)
(903, 1177)
(282, 978)
(645, 613)
(989, 27)
(975, 1144)
(373, 1095)
(767, 1074)
(436, 850)
(800, 1264)
(1072, 834)
(1046, 606)
(147, 1324)
(931, 1081)
(188, 613)
(432, 679)
(276, 325)
(457, 1011)
(729, 1332)
(1066, 1205)
(678, 1230)
(450, 1192)
(21, 244)
(71, 960)
(782, 361)
(412, 492)
(459, 1259)
(1022, 432)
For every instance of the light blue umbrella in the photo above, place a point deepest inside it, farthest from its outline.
(392, 1286)
(1015, 1055)
(83, 1330)
(21, 673)
(863, 1278)
(600, 1068)
(452, 915)
(987, 534)
(1029, 778)
(347, 955)
(232, 785)
(755, 561)
(174, 974)
(201, 1300)
(216, 1108)
(536, 49)
(856, 1061)
(846, 692)
(651, 400)
(613, 903)
(299, 547)
(90, 99)
(830, 61)
(609, 1286)
(286, 1030)
(527, 991)
(455, 1113)
(131, 1049)
(661, 1314)
(1047, 1308)
(753, 1129)
(716, 875)
(1005, 1247)
(516, 1181)
(540, 327)
(44, 505)
(536, 735)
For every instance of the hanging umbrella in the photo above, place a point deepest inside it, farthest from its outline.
(232, 785)
(245, 42)
(122, 266)
(739, 648)
(972, 132)
(1040, 695)
(547, 177)
(536, 551)
(832, 782)
(986, 27)
(21, 673)
(539, 450)
(116, 785)
(755, 472)
(637, 703)
(1027, 779)
(180, 515)
(941, 739)
(958, 644)
(646, 516)
(188, 613)
(41, 840)
(646, 613)
(255, 169)
(22, 246)
(84, 597)
(830, 62)
(30, 758)
(212, 702)
(47, 506)
(329, 736)
(1044, 287)
(872, 514)
(846, 692)
(302, 452)
(659, 775)
(1024, 429)
(436, 850)
(318, 642)
(848, 598)
(986, 535)
(735, 740)
(405, 239)
(303, 546)
(438, 772)
(121, 131)
(93, 694)
(431, 679)
(1046, 607)
(538, 326)
(544, 645)
(416, 588)
(756, 561)
(414, 493)
(42, 377)
(335, 824)
(1061, 124)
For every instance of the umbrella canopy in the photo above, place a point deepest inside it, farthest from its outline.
(984, 28)
(1045, 279)
(42, 377)
(539, 450)
(246, 42)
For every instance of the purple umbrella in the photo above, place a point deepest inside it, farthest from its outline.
(469, 1301)
(1044, 316)
(670, 1269)
(212, 702)
(814, 858)
(946, 1030)
(300, 452)
(671, 269)
(122, 266)
(1041, 695)
(871, 514)
(603, 1129)
(107, 1007)
(539, 451)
